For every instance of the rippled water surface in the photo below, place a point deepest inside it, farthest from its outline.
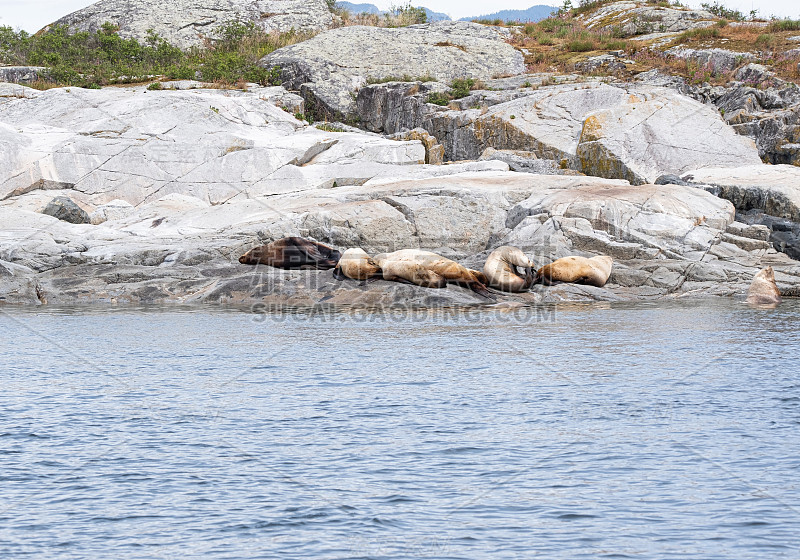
(631, 431)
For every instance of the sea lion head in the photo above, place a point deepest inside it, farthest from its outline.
(508, 269)
(257, 255)
(763, 290)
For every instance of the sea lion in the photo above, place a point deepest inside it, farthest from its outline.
(501, 270)
(763, 290)
(427, 269)
(577, 270)
(356, 264)
(293, 253)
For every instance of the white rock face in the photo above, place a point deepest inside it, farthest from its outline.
(637, 133)
(179, 184)
(655, 131)
(332, 65)
(187, 23)
(717, 60)
(138, 146)
(773, 189)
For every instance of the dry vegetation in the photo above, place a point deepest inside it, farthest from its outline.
(562, 43)
(397, 16)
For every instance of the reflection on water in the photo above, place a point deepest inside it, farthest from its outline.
(580, 431)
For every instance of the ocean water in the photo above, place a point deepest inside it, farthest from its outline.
(645, 431)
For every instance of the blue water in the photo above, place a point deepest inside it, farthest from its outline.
(623, 431)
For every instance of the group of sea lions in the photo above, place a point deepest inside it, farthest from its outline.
(507, 269)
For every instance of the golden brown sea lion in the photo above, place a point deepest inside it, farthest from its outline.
(501, 270)
(763, 290)
(577, 270)
(414, 272)
(356, 264)
(427, 269)
(293, 252)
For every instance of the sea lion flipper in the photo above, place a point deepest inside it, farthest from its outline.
(481, 290)
(338, 274)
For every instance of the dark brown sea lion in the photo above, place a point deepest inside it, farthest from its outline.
(577, 270)
(293, 253)
(427, 269)
(763, 290)
(501, 270)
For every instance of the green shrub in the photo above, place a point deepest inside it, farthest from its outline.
(438, 98)
(618, 32)
(544, 40)
(615, 46)
(765, 40)
(155, 86)
(551, 25)
(461, 87)
(785, 25)
(581, 45)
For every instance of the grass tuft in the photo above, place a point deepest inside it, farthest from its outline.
(700, 34)
(785, 25)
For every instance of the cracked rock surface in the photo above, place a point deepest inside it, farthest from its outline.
(178, 184)
(633, 18)
(632, 132)
(187, 23)
(330, 67)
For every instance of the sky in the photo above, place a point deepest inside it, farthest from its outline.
(32, 15)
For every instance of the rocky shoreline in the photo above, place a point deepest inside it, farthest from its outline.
(129, 195)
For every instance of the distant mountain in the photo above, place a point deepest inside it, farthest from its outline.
(436, 16)
(373, 9)
(359, 8)
(534, 13)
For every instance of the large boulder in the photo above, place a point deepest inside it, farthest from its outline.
(639, 18)
(187, 23)
(332, 66)
(771, 189)
(65, 209)
(652, 132)
(136, 146)
(637, 133)
(767, 109)
(23, 74)
(715, 61)
(767, 196)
